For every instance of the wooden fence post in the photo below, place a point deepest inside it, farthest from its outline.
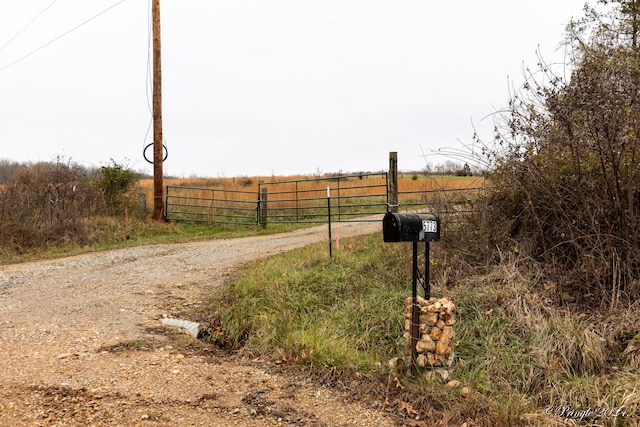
(393, 182)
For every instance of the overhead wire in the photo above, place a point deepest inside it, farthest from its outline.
(28, 25)
(148, 85)
(149, 72)
(148, 77)
(55, 39)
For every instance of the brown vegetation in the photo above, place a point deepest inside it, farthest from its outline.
(58, 204)
(566, 164)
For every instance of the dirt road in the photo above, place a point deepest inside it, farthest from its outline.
(82, 344)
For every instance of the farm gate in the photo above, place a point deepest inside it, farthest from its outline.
(345, 198)
(282, 202)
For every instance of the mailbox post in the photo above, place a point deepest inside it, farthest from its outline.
(413, 227)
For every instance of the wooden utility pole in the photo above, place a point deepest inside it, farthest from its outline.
(158, 187)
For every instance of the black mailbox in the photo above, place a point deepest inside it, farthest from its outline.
(410, 227)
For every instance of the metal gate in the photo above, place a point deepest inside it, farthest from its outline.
(344, 197)
(210, 205)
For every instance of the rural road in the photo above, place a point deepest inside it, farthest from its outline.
(82, 343)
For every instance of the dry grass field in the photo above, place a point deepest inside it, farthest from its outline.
(407, 183)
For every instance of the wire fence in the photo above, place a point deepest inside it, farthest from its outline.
(345, 198)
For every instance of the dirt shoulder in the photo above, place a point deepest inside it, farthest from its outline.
(83, 344)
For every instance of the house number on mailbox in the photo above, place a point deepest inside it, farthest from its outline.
(430, 226)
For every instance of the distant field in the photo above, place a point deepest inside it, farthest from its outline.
(406, 182)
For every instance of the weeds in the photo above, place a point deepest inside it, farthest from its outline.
(62, 205)
(516, 350)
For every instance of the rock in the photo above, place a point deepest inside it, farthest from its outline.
(449, 306)
(452, 384)
(444, 315)
(431, 359)
(425, 345)
(447, 335)
(431, 319)
(435, 342)
(444, 374)
(431, 376)
(442, 347)
(450, 358)
(395, 363)
(435, 333)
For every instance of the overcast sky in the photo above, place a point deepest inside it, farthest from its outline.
(262, 87)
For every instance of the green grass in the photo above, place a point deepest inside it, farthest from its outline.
(515, 349)
(339, 313)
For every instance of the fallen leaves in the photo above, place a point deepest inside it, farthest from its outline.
(398, 383)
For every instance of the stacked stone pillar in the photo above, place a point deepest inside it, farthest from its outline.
(434, 347)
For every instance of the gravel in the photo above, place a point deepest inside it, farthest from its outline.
(83, 344)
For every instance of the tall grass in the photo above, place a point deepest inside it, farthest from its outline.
(54, 205)
(520, 355)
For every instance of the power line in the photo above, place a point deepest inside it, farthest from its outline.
(60, 36)
(149, 71)
(28, 25)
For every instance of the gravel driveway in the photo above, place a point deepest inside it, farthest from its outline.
(82, 343)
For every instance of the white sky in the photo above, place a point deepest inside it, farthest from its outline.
(262, 87)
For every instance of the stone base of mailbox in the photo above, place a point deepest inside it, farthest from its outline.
(437, 317)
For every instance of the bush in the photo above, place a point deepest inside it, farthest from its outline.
(58, 204)
(567, 160)
(116, 182)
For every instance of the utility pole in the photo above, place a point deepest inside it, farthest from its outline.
(158, 187)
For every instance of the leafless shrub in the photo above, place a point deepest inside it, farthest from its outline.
(567, 163)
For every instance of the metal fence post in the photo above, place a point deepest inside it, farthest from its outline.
(329, 219)
(263, 208)
(166, 205)
(142, 202)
